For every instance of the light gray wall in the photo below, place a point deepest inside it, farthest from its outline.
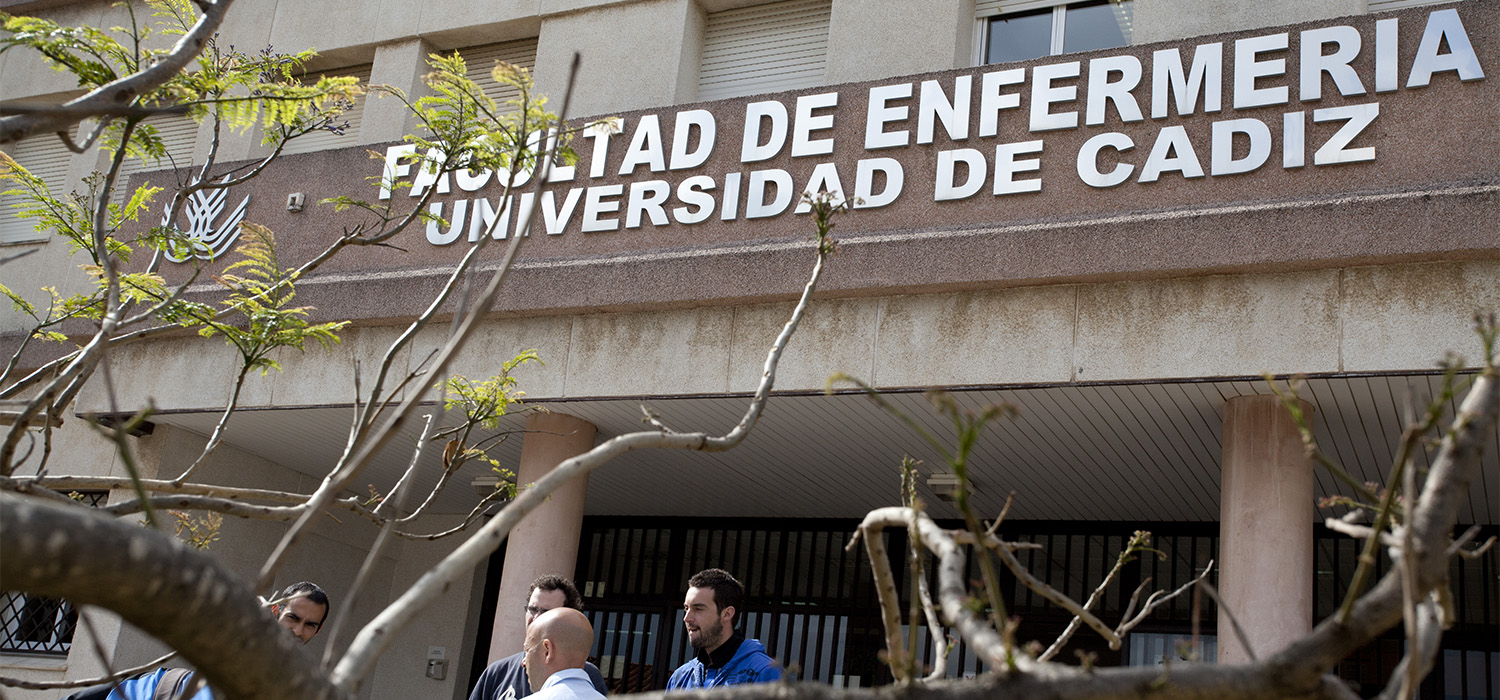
(864, 35)
(1357, 319)
(1164, 20)
(633, 56)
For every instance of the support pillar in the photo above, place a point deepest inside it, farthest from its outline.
(1265, 529)
(546, 541)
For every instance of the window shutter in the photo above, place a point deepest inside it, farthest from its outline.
(990, 8)
(326, 140)
(179, 134)
(481, 64)
(45, 157)
(766, 48)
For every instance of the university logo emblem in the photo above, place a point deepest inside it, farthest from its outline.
(203, 208)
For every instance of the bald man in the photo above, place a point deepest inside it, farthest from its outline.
(557, 646)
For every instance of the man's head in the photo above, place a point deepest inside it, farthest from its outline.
(303, 610)
(711, 608)
(557, 639)
(549, 592)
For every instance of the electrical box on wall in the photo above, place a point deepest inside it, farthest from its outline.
(437, 663)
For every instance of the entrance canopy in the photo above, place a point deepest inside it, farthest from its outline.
(1124, 452)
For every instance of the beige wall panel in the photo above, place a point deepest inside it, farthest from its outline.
(933, 35)
(1208, 327)
(249, 26)
(76, 449)
(459, 23)
(299, 25)
(1005, 336)
(401, 672)
(836, 335)
(319, 377)
(26, 74)
(175, 373)
(49, 266)
(667, 352)
(497, 341)
(401, 64)
(1163, 20)
(1402, 317)
(615, 74)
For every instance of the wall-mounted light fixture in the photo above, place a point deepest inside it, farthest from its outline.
(944, 485)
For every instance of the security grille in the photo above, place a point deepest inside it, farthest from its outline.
(1468, 667)
(813, 604)
(36, 625)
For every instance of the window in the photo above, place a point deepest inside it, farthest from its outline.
(327, 140)
(35, 625)
(766, 48)
(480, 61)
(1017, 31)
(179, 135)
(46, 157)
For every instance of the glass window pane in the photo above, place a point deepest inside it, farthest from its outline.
(1096, 25)
(1020, 36)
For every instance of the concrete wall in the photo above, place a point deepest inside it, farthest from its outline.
(1360, 319)
(609, 34)
(1161, 20)
(331, 556)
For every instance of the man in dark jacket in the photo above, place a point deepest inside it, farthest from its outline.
(506, 679)
(723, 656)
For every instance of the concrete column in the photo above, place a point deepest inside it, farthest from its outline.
(1166, 20)
(933, 35)
(615, 74)
(1265, 528)
(402, 64)
(546, 542)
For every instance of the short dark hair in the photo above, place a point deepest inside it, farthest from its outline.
(310, 591)
(728, 591)
(553, 582)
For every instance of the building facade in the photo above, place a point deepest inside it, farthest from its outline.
(1114, 216)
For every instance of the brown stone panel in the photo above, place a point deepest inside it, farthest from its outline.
(1303, 236)
(1428, 194)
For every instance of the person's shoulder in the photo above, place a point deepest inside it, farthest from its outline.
(518, 658)
(757, 666)
(681, 676)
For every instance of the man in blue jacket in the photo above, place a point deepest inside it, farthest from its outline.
(722, 656)
(301, 609)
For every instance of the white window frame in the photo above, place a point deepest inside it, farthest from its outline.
(985, 10)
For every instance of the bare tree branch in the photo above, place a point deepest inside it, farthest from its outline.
(92, 560)
(118, 97)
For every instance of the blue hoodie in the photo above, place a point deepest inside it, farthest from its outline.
(750, 664)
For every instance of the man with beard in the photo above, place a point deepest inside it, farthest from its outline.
(722, 655)
(506, 679)
(301, 609)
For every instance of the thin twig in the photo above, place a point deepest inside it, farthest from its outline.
(1239, 632)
